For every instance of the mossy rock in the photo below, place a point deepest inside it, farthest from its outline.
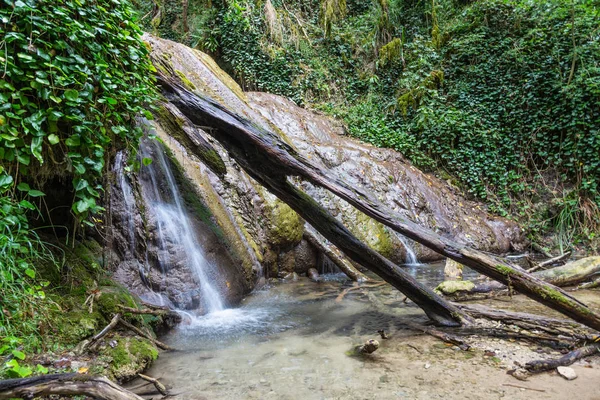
(371, 232)
(286, 227)
(130, 356)
(111, 297)
(452, 287)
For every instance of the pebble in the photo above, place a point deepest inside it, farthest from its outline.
(427, 366)
(567, 373)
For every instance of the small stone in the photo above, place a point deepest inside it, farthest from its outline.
(427, 366)
(567, 373)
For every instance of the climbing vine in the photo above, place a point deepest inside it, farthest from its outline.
(74, 74)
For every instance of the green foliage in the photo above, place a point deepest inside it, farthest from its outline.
(497, 94)
(74, 75)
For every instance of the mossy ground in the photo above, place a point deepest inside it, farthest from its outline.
(81, 300)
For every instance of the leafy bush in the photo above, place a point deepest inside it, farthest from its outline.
(74, 75)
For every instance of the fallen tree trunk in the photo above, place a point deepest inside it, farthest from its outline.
(64, 385)
(569, 274)
(269, 160)
(338, 259)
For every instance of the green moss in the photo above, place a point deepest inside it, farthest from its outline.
(451, 287)
(130, 356)
(185, 80)
(286, 226)
(371, 232)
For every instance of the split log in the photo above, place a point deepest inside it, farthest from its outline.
(334, 255)
(64, 385)
(269, 160)
(569, 274)
(567, 359)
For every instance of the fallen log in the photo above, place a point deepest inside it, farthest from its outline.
(74, 384)
(569, 274)
(334, 255)
(269, 160)
(567, 359)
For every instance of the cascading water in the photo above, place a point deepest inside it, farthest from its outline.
(128, 199)
(411, 257)
(174, 227)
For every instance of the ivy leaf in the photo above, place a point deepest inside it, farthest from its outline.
(146, 161)
(5, 180)
(71, 94)
(23, 187)
(36, 193)
(73, 141)
(53, 139)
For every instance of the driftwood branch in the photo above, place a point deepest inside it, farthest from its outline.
(270, 160)
(334, 255)
(64, 385)
(85, 345)
(567, 359)
(143, 311)
(141, 333)
(159, 386)
(549, 262)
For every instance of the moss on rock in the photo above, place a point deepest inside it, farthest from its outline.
(374, 234)
(286, 227)
(129, 356)
(452, 287)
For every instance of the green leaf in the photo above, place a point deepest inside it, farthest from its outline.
(5, 180)
(23, 187)
(36, 193)
(30, 273)
(81, 206)
(41, 369)
(146, 161)
(18, 354)
(27, 204)
(53, 139)
(71, 94)
(73, 141)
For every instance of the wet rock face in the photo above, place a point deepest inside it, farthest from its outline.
(153, 263)
(420, 197)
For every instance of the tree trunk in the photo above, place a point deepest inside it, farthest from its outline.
(269, 159)
(64, 385)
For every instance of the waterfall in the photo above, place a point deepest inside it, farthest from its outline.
(128, 199)
(411, 257)
(174, 227)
